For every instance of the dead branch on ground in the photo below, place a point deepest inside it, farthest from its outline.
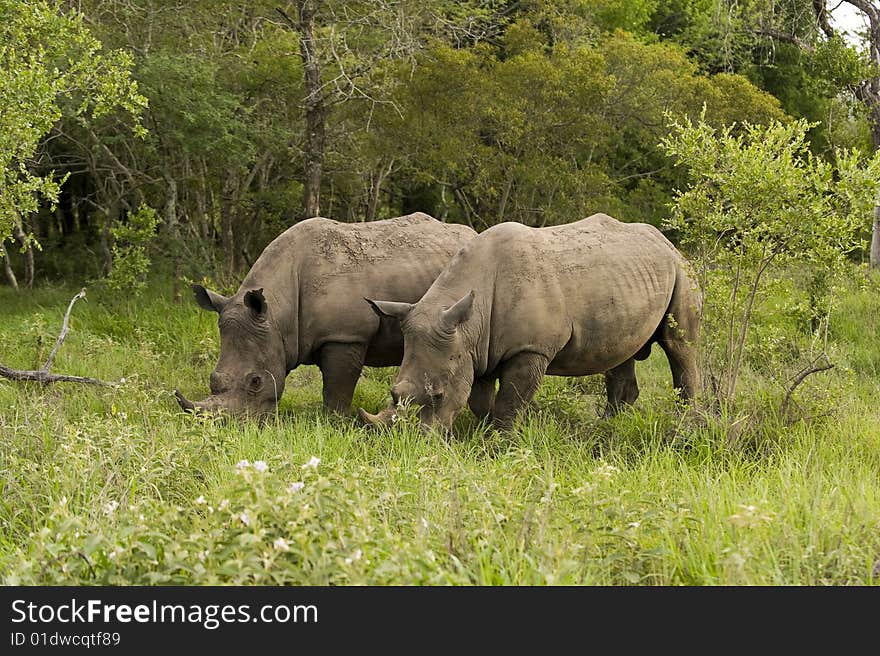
(43, 375)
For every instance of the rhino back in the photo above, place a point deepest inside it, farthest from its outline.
(587, 294)
(334, 266)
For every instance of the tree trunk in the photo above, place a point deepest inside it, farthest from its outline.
(7, 268)
(875, 136)
(206, 222)
(377, 177)
(505, 196)
(27, 249)
(875, 236)
(172, 226)
(106, 244)
(869, 93)
(227, 223)
(314, 107)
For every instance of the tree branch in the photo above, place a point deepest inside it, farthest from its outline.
(787, 38)
(64, 328)
(811, 369)
(821, 13)
(43, 376)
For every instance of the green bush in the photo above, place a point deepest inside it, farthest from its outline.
(131, 263)
(760, 205)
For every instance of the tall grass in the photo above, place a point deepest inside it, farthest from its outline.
(116, 485)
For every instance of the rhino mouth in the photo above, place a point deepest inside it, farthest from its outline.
(217, 406)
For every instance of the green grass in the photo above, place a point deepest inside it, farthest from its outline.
(117, 486)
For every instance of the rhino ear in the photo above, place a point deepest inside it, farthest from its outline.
(208, 300)
(390, 309)
(458, 313)
(255, 300)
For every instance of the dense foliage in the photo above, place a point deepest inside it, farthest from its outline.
(759, 203)
(478, 112)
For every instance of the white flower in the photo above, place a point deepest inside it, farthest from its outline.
(242, 464)
(224, 504)
(355, 556)
(751, 516)
(313, 463)
(63, 501)
(244, 518)
(281, 544)
(260, 466)
(110, 507)
(201, 500)
(296, 487)
(605, 471)
(583, 490)
(122, 380)
(634, 524)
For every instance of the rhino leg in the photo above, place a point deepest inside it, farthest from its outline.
(341, 366)
(482, 398)
(683, 363)
(520, 377)
(621, 387)
(679, 334)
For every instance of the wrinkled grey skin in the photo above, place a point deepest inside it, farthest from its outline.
(517, 303)
(303, 303)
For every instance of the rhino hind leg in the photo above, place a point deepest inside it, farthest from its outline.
(621, 387)
(341, 366)
(683, 363)
(482, 398)
(679, 333)
(519, 380)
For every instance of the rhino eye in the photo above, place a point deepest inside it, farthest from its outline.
(436, 396)
(255, 383)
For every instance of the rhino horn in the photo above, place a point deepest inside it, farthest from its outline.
(208, 405)
(384, 418)
(367, 418)
(185, 404)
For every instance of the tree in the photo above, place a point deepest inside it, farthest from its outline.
(50, 60)
(543, 135)
(758, 198)
(867, 90)
(821, 54)
(313, 105)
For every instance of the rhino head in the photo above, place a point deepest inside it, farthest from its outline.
(249, 376)
(437, 371)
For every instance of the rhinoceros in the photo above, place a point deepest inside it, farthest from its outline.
(516, 303)
(302, 303)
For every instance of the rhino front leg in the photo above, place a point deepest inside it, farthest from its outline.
(341, 366)
(621, 387)
(520, 377)
(482, 398)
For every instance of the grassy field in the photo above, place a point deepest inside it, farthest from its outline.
(116, 486)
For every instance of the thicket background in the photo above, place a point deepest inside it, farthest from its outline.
(246, 117)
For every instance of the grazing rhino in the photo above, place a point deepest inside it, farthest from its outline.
(516, 303)
(302, 303)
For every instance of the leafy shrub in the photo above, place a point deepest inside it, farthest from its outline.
(131, 263)
(759, 200)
